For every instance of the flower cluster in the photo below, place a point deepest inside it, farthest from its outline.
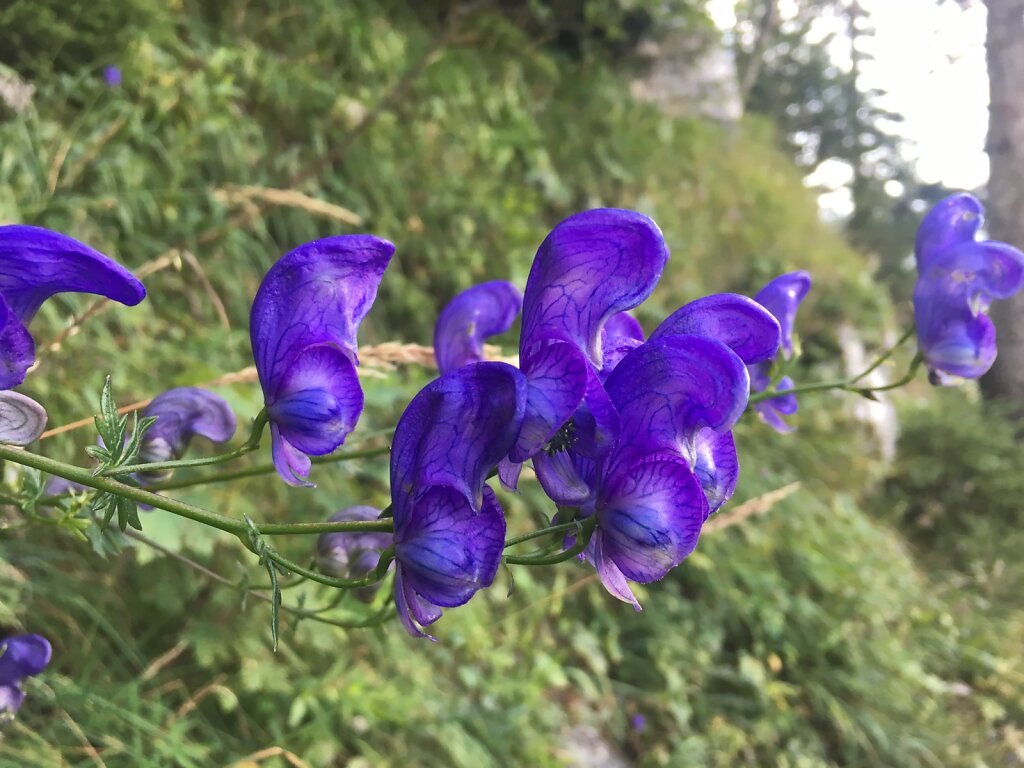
(958, 277)
(632, 435)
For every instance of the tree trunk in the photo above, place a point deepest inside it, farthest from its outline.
(1005, 205)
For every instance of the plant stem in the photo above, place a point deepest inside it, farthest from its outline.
(250, 445)
(182, 509)
(560, 528)
(265, 469)
(586, 528)
(907, 334)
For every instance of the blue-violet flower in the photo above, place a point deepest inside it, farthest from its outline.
(303, 327)
(35, 264)
(21, 656)
(470, 318)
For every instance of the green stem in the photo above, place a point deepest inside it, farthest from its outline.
(250, 445)
(560, 528)
(850, 384)
(907, 334)
(586, 528)
(265, 469)
(174, 506)
(372, 577)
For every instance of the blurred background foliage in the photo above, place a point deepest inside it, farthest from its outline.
(873, 618)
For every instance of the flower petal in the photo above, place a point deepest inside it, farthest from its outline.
(22, 419)
(716, 466)
(782, 297)
(669, 389)
(455, 431)
(17, 349)
(952, 338)
(23, 656)
(291, 464)
(650, 517)
(611, 577)
(772, 410)
(315, 294)
(564, 476)
(989, 270)
(591, 266)
(953, 220)
(318, 400)
(36, 263)
(557, 375)
(741, 323)
(596, 422)
(448, 549)
(413, 611)
(470, 318)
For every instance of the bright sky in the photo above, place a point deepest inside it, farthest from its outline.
(930, 58)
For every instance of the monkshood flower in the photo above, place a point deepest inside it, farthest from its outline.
(958, 278)
(181, 413)
(781, 297)
(35, 264)
(303, 328)
(352, 555)
(592, 267)
(21, 656)
(449, 527)
(647, 498)
(472, 317)
(22, 419)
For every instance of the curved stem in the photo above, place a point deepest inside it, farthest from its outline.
(182, 509)
(265, 469)
(907, 334)
(560, 528)
(586, 530)
(250, 445)
(372, 577)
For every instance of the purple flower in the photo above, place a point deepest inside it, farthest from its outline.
(781, 297)
(677, 397)
(35, 264)
(958, 277)
(303, 328)
(22, 419)
(180, 414)
(112, 75)
(21, 656)
(352, 555)
(449, 526)
(638, 723)
(470, 318)
(591, 267)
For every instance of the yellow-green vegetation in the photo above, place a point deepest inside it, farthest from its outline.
(810, 636)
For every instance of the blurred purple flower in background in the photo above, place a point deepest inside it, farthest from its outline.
(449, 527)
(112, 75)
(35, 264)
(352, 555)
(958, 277)
(182, 413)
(781, 297)
(303, 328)
(21, 656)
(470, 318)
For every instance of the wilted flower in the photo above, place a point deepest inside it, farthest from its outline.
(958, 277)
(303, 327)
(35, 264)
(22, 419)
(352, 555)
(180, 414)
(449, 527)
(21, 656)
(781, 297)
(470, 318)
